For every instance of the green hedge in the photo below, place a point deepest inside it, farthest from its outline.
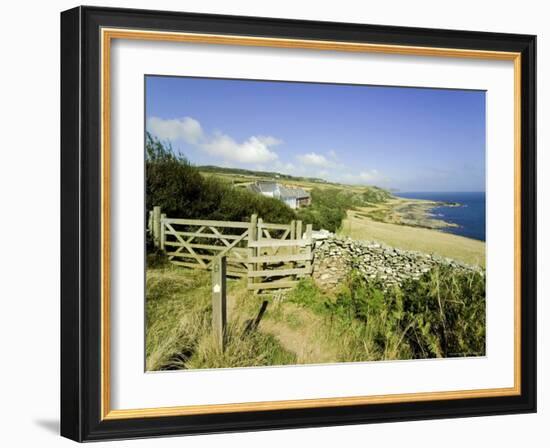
(438, 316)
(183, 192)
(329, 205)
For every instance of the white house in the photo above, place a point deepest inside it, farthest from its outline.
(291, 196)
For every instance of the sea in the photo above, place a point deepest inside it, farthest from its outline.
(470, 216)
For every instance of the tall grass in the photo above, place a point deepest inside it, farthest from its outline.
(179, 329)
(440, 315)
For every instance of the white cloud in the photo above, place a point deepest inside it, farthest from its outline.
(315, 159)
(285, 168)
(269, 141)
(187, 129)
(370, 175)
(255, 149)
(252, 150)
(322, 173)
(289, 166)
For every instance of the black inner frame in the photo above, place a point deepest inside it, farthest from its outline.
(81, 224)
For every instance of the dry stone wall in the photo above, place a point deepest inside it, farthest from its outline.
(335, 257)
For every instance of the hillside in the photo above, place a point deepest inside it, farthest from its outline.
(264, 175)
(440, 313)
(242, 177)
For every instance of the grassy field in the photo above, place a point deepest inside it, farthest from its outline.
(360, 224)
(440, 315)
(247, 178)
(179, 331)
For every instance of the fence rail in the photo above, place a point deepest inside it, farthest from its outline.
(200, 222)
(256, 250)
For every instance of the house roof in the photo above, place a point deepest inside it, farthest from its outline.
(266, 186)
(289, 192)
(276, 188)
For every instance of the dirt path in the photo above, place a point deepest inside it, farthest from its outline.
(300, 332)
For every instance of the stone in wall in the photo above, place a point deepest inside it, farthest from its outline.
(335, 257)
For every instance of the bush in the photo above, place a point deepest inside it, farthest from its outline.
(183, 192)
(440, 315)
(446, 308)
(375, 195)
(329, 205)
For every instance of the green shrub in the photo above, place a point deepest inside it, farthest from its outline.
(306, 294)
(376, 195)
(440, 315)
(446, 308)
(182, 192)
(329, 205)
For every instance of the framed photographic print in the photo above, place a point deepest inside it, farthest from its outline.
(274, 223)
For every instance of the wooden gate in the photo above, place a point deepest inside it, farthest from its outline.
(197, 243)
(278, 262)
(269, 255)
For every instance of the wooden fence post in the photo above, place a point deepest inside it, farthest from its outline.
(252, 237)
(309, 239)
(162, 231)
(259, 236)
(219, 300)
(299, 235)
(259, 231)
(156, 225)
(294, 249)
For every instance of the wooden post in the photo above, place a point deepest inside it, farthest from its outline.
(309, 239)
(162, 231)
(259, 237)
(293, 249)
(259, 231)
(219, 300)
(156, 225)
(252, 251)
(299, 236)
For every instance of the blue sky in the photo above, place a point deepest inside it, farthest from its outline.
(409, 139)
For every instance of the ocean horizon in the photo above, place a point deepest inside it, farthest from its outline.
(469, 217)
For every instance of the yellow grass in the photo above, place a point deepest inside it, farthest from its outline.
(415, 238)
